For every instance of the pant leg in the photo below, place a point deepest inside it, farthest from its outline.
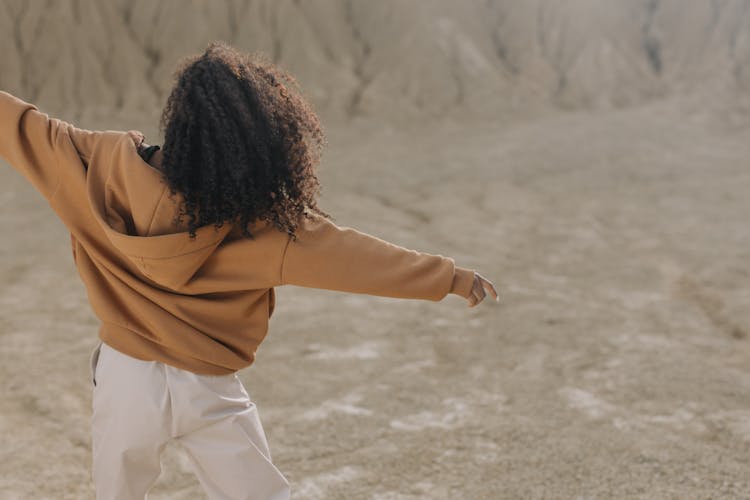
(224, 438)
(130, 424)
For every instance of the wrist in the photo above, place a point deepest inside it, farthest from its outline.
(463, 282)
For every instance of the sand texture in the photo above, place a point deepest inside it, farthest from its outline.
(592, 158)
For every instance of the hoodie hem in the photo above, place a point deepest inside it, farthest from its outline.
(137, 346)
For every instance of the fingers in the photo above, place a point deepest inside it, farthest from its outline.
(478, 290)
(490, 287)
(472, 298)
(137, 137)
(480, 293)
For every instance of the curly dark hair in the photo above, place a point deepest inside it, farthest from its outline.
(240, 145)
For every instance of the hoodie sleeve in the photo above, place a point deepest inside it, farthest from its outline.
(327, 256)
(32, 142)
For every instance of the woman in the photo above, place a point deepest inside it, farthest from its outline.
(180, 248)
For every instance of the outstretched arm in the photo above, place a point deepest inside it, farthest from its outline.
(327, 256)
(32, 142)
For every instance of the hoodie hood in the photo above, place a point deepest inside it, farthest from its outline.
(131, 202)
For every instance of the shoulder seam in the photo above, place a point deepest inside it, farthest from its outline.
(57, 164)
(283, 259)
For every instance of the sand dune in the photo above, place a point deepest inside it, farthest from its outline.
(392, 59)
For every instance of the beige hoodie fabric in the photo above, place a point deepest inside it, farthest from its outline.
(201, 305)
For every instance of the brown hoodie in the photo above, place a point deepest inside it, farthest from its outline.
(201, 305)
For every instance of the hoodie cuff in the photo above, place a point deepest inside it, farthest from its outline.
(463, 282)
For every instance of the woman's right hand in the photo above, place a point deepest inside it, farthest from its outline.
(478, 290)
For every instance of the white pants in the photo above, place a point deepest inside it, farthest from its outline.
(139, 406)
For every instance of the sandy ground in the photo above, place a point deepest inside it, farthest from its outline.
(616, 366)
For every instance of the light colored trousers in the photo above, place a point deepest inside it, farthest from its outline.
(139, 406)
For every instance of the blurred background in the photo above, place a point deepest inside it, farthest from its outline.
(591, 157)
